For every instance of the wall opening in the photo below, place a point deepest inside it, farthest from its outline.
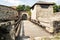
(44, 6)
(24, 17)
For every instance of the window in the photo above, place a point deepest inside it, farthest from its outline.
(44, 6)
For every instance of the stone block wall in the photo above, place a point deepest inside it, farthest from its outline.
(44, 12)
(7, 12)
(33, 15)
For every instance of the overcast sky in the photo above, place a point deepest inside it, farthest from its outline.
(24, 2)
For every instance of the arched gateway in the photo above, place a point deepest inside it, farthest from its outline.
(24, 17)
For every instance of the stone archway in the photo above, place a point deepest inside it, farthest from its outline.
(24, 17)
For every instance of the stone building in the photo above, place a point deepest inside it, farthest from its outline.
(41, 9)
(42, 13)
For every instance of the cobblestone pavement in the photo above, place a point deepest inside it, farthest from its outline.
(32, 30)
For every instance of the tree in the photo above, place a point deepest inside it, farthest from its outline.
(56, 8)
(27, 8)
(20, 7)
(23, 7)
(59, 8)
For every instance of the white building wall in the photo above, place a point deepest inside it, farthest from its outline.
(44, 13)
(33, 13)
(38, 12)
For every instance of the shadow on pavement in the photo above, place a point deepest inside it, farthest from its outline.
(22, 38)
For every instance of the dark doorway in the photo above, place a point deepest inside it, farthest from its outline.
(24, 17)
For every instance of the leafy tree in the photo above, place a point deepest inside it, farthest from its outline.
(29, 13)
(27, 8)
(56, 8)
(23, 7)
(19, 7)
(59, 8)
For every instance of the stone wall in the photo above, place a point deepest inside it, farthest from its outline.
(24, 12)
(38, 11)
(44, 12)
(33, 13)
(7, 12)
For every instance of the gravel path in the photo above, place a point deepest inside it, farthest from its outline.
(32, 30)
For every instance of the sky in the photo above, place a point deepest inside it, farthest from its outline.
(24, 2)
